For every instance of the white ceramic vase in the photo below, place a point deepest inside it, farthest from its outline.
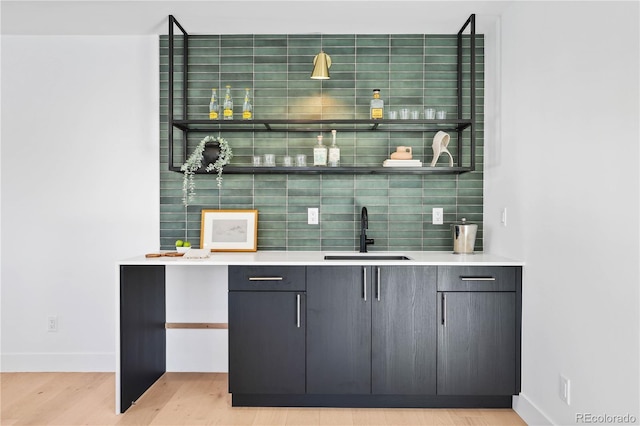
(439, 146)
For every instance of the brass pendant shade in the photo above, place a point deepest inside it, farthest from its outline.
(321, 65)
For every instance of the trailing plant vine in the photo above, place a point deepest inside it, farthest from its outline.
(194, 163)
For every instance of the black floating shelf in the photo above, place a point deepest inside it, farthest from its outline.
(298, 125)
(457, 124)
(348, 170)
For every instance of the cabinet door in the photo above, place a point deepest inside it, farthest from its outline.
(338, 330)
(477, 343)
(266, 342)
(404, 330)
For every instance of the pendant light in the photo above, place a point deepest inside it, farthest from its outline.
(321, 65)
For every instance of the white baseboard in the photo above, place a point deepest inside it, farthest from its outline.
(528, 411)
(58, 362)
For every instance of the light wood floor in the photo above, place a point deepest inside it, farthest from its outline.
(193, 399)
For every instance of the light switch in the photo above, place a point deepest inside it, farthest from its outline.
(312, 216)
(437, 216)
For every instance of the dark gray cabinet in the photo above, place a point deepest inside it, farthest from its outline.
(267, 330)
(345, 336)
(374, 336)
(478, 331)
(338, 330)
(371, 330)
(403, 350)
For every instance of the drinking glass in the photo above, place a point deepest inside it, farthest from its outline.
(429, 113)
(269, 160)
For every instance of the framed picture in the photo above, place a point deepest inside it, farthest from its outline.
(229, 230)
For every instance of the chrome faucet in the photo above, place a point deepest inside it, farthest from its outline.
(364, 225)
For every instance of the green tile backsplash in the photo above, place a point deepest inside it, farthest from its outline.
(415, 71)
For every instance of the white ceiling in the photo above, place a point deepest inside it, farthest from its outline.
(147, 17)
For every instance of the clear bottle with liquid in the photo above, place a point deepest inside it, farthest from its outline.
(377, 106)
(214, 108)
(247, 108)
(319, 153)
(334, 151)
(228, 105)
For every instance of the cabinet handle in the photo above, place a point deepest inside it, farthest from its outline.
(378, 284)
(478, 278)
(265, 278)
(364, 283)
(444, 310)
(298, 310)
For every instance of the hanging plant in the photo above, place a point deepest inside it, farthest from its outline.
(219, 157)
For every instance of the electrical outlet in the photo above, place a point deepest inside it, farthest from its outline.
(313, 216)
(437, 216)
(565, 390)
(52, 323)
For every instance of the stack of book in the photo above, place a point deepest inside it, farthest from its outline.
(402, 163)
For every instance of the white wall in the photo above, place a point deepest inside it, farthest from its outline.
(197, 294)
(566, 167)
(79, 191)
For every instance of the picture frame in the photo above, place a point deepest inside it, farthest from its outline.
(229, 230)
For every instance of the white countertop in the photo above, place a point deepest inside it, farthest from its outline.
(317, 258)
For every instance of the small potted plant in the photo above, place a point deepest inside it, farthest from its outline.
(211, 153)
(219, 155)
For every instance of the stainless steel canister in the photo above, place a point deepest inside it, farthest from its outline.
(464, 236)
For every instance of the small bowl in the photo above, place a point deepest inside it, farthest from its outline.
(182, 249)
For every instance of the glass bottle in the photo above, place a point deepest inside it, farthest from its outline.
(319, 153)
(213, 105)
(228, 105)
(247, 109)
(334, 151)
(377, 105)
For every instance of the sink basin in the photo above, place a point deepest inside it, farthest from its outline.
(366, 256)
